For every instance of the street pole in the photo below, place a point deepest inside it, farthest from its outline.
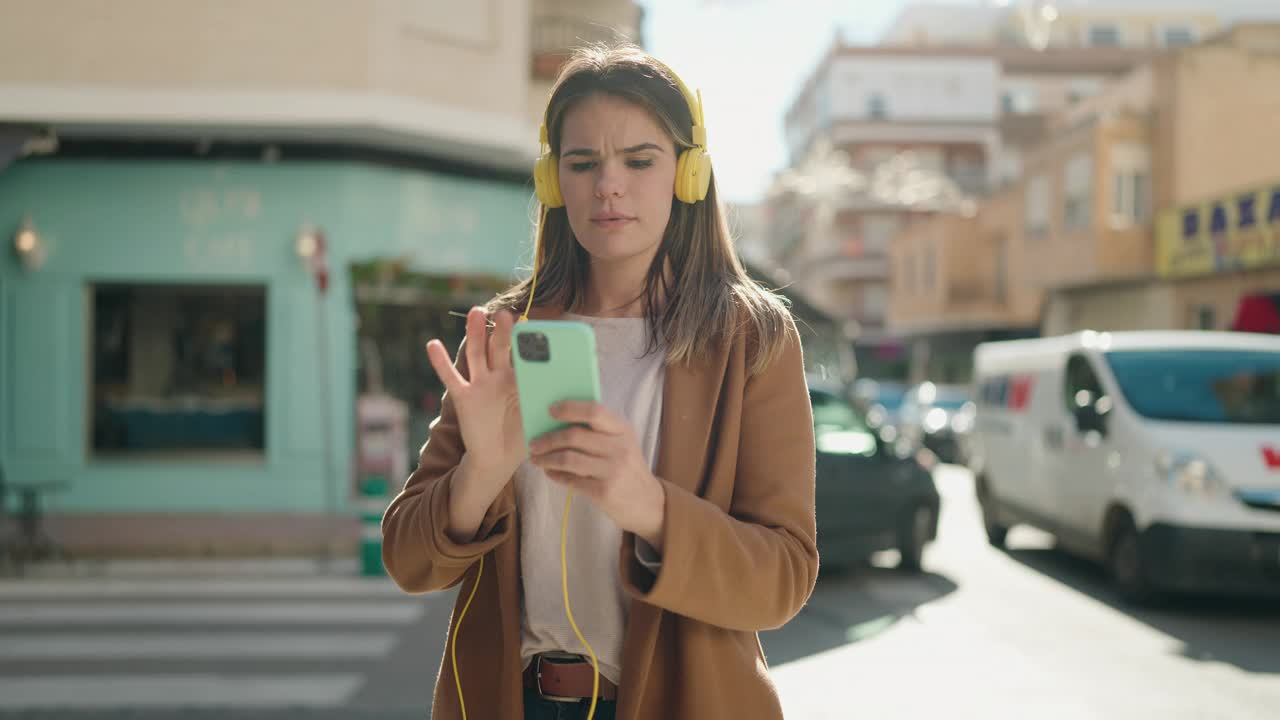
(311, 248)
(326, 413)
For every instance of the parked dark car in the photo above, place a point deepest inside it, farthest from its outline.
(869, 497)
(938, 417)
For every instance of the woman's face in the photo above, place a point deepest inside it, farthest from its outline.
(617, 170)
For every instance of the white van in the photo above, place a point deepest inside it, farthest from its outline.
(1157, 453)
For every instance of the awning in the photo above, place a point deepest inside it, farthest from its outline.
(1258, 314)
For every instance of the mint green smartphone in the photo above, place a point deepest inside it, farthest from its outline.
(554, 360)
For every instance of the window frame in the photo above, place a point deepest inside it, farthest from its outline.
(1090, 38)
(1193, 36)
(877, 106)
(1038, 197)
(1079, 199)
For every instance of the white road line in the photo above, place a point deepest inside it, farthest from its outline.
(196, 613)
(198, 646)
(134, 691)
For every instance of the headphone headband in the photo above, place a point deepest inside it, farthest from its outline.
(693, 100)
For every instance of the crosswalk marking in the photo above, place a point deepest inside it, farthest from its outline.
(201, 646)
(203, 690)
(321, 587)
(301, 611)
(202, 643)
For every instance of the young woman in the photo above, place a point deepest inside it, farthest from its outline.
(696, 525)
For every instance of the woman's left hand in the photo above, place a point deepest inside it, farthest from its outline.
(600, 457)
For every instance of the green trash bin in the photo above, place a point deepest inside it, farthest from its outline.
(373, 503)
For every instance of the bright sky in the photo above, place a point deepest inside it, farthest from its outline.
(749, 57)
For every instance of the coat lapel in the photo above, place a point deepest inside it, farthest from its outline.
(689, 401)
(690, 397)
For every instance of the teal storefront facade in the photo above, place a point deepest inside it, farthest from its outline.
(221, 225)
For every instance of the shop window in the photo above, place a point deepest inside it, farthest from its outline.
(177, 370)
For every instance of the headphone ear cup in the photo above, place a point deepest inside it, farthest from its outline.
(693, 175)
(679, 183)
(546, 181)
(702, 174)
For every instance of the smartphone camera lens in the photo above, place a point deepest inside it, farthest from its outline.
(533, 347)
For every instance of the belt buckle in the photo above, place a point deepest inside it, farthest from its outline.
(537, 682)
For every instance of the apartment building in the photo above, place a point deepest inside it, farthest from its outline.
(882, 136)
(1147, 206)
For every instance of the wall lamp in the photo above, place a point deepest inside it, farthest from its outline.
(29, 246)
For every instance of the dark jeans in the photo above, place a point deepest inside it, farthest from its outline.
(539, 708)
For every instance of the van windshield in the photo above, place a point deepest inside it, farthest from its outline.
(1204, 386)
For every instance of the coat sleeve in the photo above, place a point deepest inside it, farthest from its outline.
(417, 552)
(755, 566)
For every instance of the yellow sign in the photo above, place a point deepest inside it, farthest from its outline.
(1230, 233)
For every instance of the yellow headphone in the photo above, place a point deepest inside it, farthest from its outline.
(693, 179)
(693, 167)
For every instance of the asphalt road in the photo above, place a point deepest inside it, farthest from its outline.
(980, 634)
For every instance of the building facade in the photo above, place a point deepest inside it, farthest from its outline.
(1143, 208)
(230, 230)
(882, 138)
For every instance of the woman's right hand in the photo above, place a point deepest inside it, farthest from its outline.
(487, 405)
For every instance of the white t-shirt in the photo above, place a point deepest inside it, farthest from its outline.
(631, 382)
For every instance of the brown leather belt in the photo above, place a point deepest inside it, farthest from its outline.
(565, 680)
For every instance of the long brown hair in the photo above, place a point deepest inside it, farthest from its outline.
(708, 293)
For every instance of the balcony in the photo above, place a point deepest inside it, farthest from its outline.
(350, 74)
(843, 267)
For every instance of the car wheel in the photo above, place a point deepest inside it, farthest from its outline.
(915, 533)
(1128, 567)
